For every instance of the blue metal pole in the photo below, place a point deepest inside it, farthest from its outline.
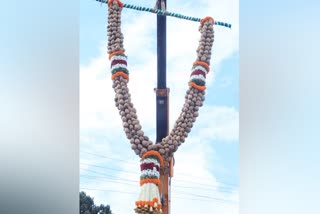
(162, 91)
(162, 105)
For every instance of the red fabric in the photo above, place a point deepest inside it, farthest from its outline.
(114, 62)
(146, 166)
(197, 72)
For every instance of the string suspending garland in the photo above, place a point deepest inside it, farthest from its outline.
(167, 13)
(152, 154)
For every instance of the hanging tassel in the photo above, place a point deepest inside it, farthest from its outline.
(149, 198)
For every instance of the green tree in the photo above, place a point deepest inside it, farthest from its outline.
(87, 206)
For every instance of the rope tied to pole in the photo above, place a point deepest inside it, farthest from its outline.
(166, 13)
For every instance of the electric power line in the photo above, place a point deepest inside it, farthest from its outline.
(222, 187)
(176, 186)
(192, 176)
(116, 159)
(120, 170)
(203, 184)
(109, 175)
(203, 196)
(108, 190)
(108, 179)
(133, 193)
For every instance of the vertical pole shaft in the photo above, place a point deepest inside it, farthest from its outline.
(162, 104)
(162, 99)
(162, 51)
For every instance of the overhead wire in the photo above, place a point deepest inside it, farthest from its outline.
(224, 185)
(120, 170)
(115, 179)
(116, 159)
(209, 199)
(183, 174)
(203, 184)
(207, 186)
(175, 186)
(108, 175)
(118, 181)
(108, 179)
(201, 196)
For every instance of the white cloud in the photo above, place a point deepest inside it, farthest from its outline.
(218, 122)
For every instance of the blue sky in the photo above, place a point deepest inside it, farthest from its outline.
(208, 161)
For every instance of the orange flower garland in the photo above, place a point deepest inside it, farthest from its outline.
(120, 73)
(150, 180)
(115, 53)
(119, 2)
(203, 64)
(206, 19)
(194, 85)
(154, 203)
(151, 152)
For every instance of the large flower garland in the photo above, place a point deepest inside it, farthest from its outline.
(193, 100)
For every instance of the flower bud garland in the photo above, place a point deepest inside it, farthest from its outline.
(149, 198)
(152, 153)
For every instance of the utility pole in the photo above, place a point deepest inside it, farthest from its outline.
(162, 106)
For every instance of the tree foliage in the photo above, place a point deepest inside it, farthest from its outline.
(87, 206)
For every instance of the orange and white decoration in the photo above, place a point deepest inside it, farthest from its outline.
(149, 199)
